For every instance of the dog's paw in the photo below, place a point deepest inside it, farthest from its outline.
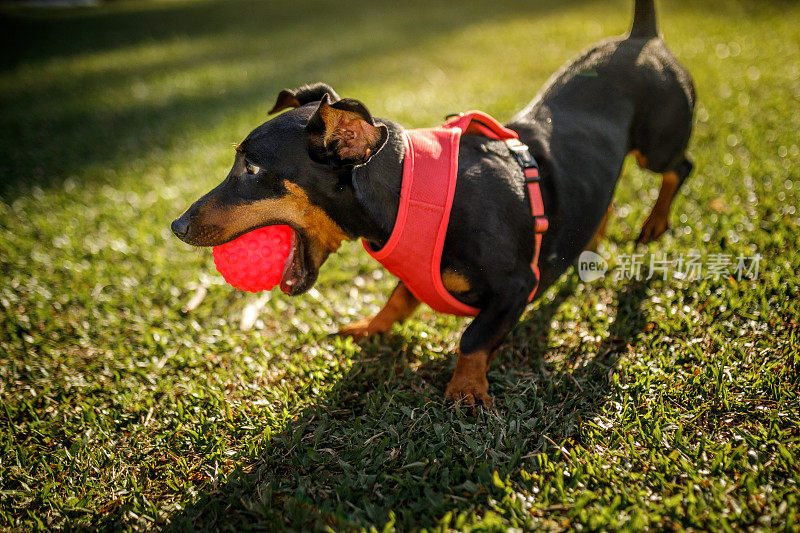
(469, 391)
(653, 228)
(362, 329)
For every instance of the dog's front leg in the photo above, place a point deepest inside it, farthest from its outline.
(479, 342)
(399, 307)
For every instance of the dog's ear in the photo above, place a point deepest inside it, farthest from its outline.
(303, 95)
(344, 132)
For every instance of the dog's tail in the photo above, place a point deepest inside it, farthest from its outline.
(644, 19)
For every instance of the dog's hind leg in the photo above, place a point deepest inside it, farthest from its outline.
(657, 221)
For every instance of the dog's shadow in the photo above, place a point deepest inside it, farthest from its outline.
(382, 441)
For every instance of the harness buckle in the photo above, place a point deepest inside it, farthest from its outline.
(522, 154)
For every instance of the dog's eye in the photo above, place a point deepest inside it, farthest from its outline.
(251, 168)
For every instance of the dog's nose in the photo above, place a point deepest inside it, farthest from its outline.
(180, 227)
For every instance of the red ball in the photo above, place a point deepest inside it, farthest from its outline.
(254, 261)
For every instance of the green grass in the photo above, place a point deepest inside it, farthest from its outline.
(620, 404)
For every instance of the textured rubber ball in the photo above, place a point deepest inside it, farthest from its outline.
(254, 261)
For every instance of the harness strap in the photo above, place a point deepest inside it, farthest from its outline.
(414, 250)
(531, 170)
(480, 123)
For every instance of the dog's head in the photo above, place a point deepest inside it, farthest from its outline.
(295, 169)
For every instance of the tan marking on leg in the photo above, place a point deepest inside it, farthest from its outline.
(601, 231)
(324, 234)
(658, 220)
(454, 281)
(399, 307)
(469, 385)
(641, 160)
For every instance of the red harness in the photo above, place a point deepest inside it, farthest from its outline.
(413, 252)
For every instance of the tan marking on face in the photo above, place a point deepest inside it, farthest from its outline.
(323, 234)
(454, 281)
(355, 135)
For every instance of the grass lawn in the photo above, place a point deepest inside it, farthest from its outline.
(620, 403)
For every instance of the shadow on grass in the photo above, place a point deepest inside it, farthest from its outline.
(107, 86)
(381, 446)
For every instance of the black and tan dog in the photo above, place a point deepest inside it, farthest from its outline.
(332, 172)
